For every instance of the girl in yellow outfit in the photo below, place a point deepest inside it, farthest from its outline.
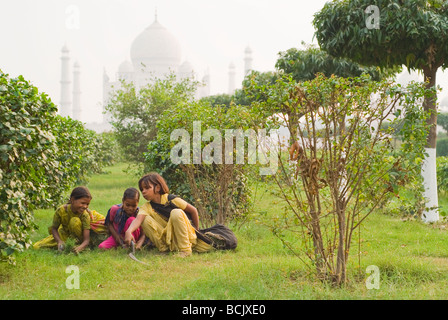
(74, 220)
(167, 220)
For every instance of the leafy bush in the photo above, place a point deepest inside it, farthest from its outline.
(27, 157)
(109, 152)
(442, 147)
(442, 173)
(220, 191)
(79, 153)
(42, 156)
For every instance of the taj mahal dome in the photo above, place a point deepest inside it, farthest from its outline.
(154, 53)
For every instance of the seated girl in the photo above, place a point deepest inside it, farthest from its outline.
(119, 218)
(167, 220)
(74, 220)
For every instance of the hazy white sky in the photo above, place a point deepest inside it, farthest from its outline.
(212, 34)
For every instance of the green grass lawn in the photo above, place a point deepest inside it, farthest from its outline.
(412, 258)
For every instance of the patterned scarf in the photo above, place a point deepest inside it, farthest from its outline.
(120, 218)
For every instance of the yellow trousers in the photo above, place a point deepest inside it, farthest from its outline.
(73, 230)
(176, 234)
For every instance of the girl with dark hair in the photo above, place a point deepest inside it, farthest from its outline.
(167, 220)
(74, 220)
(119, 218)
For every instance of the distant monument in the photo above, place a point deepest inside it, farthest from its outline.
(154, 53)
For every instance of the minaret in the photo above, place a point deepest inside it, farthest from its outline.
(76, 92)
(206, 82)
(106, 97)
(65, 104)
(247, 60)
(231, 78)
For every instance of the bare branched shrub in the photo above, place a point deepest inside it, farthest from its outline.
(345, 165)
(218, 190)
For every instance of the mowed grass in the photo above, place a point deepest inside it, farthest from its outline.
(412, 258)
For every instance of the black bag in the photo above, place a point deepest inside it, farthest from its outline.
(165, 209)
(219, 236)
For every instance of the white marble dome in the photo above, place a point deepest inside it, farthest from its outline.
(156, 50)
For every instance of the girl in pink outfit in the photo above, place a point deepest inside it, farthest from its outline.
(119, 218)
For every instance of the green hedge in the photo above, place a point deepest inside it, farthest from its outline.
(42, 157)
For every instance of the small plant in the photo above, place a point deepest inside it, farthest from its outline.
(68, 247)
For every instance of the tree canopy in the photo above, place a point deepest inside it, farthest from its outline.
(135, 111)
(411, 32)
(305, 64)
